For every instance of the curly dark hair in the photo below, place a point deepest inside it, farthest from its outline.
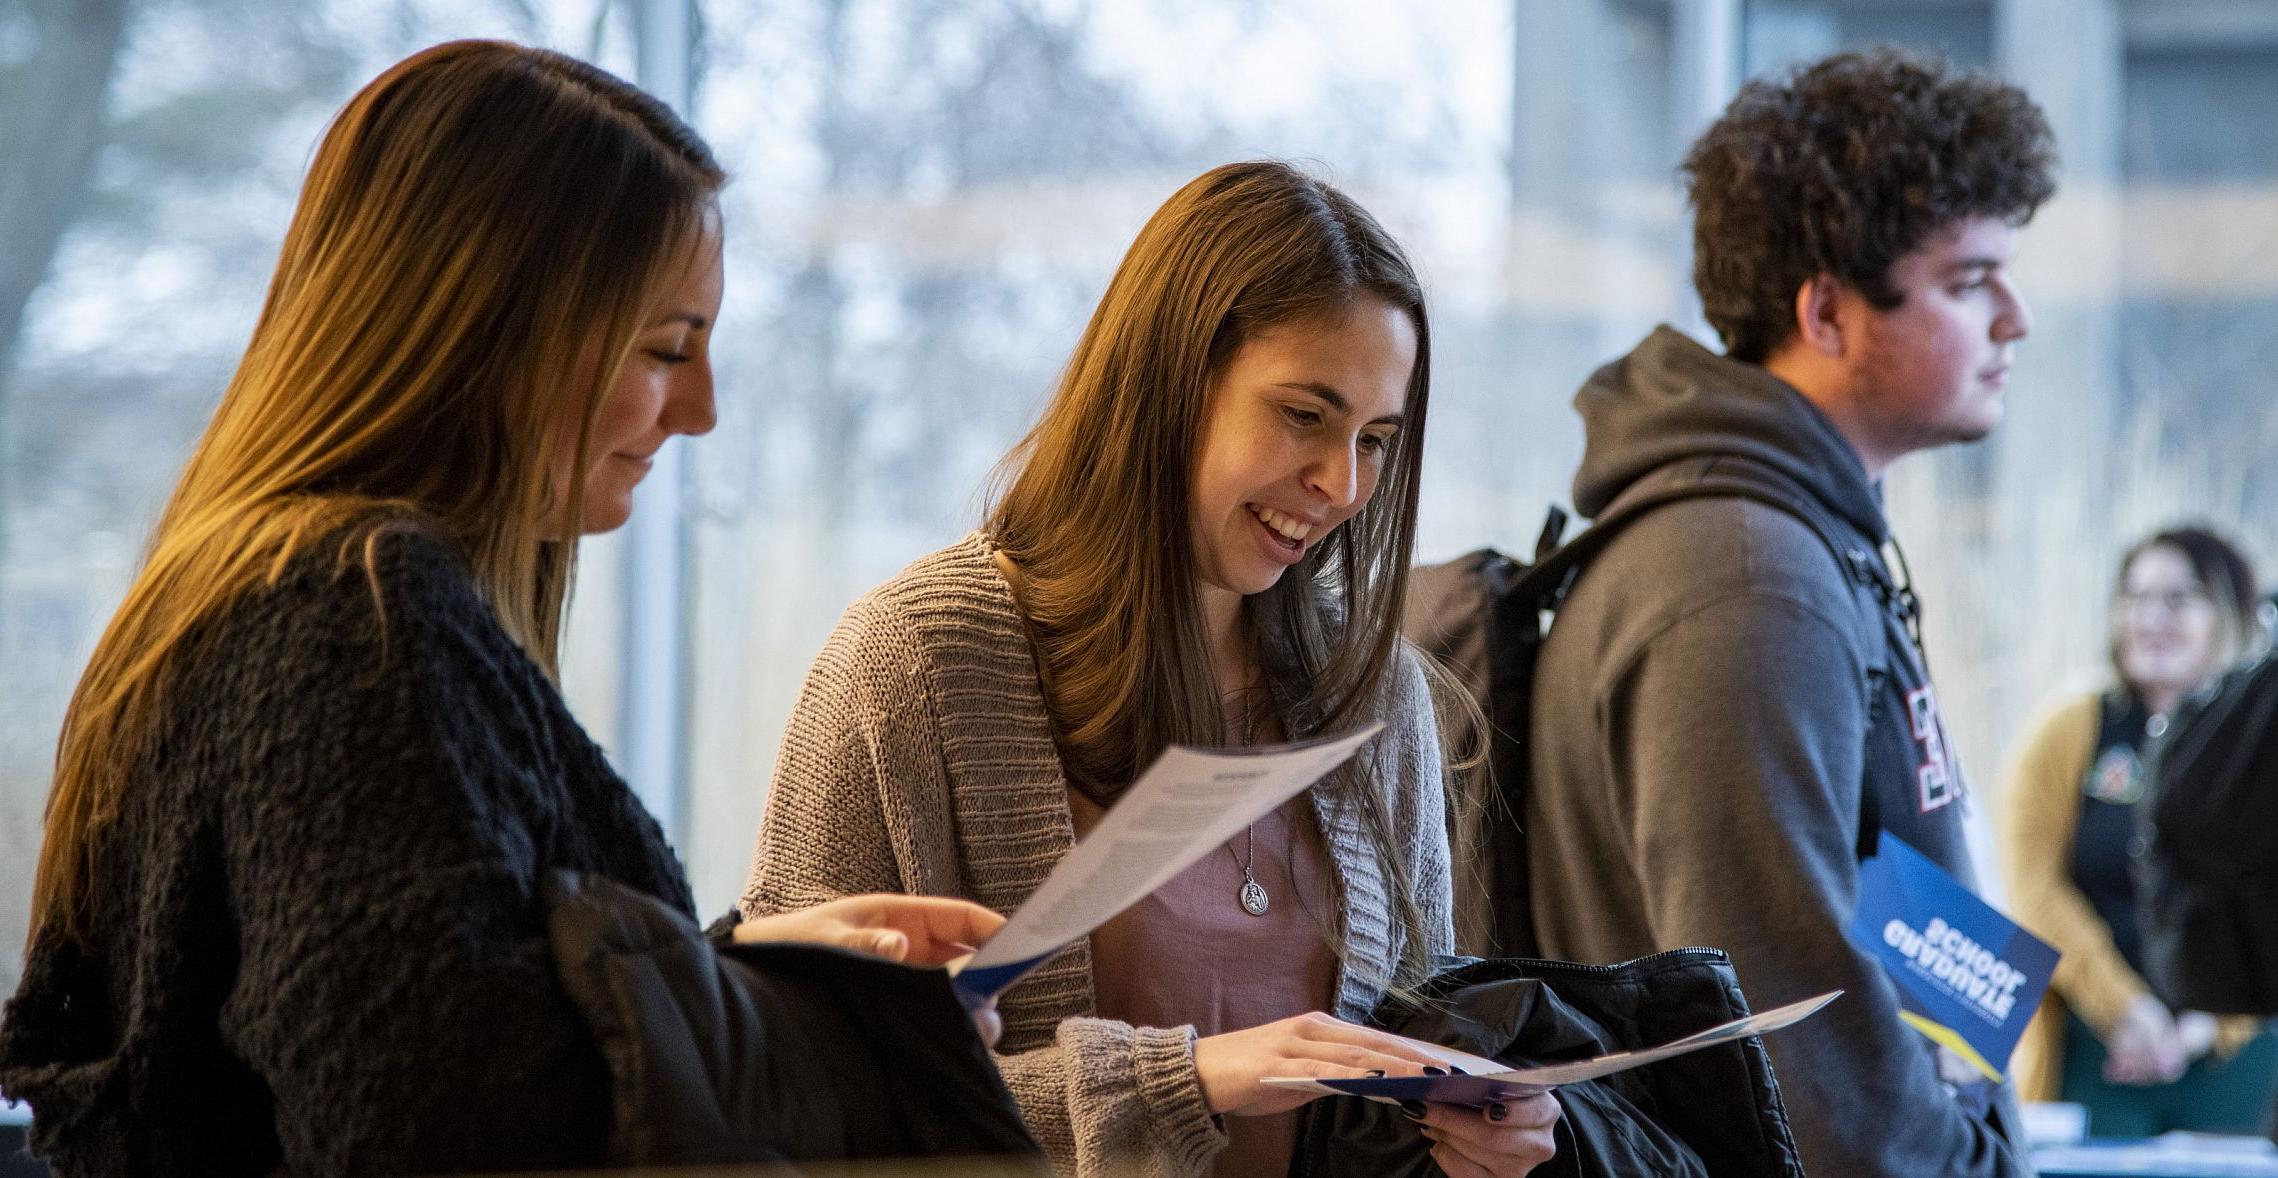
(1843, 167)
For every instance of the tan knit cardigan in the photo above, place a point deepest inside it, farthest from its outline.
(2040, 802)
(920, 759)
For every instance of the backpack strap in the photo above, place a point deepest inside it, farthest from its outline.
(1725, 477)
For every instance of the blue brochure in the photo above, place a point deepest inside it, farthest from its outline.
(1967, 976)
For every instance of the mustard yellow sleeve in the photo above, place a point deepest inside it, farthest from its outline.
(2040, 803)
(2234, 1031)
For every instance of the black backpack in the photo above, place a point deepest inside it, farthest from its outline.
(2209, 881)
(1484, 616)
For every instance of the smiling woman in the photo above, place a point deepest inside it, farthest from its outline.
(2182, 611)
(1205, 541)
(1299, 425)
(317, 777)
(662, 389)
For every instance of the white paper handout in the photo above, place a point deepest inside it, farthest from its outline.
(1186, 804)
(1483, 1081)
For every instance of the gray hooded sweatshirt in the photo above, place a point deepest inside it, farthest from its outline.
(1723, 702)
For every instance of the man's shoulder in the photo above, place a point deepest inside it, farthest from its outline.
(1743, 587)
(1699, 550)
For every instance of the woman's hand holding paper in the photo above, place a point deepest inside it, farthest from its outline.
(1314, 1045)
(914, 930)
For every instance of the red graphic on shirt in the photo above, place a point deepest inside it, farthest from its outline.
(1937, 780)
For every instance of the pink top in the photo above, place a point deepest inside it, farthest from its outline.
(1190, 954)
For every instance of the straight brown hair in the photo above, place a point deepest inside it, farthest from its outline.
(480, 235)
(1095, 507)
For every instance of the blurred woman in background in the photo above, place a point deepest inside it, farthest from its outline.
(2183, 610)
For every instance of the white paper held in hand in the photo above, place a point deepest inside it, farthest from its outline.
(1486, 1081)
(1189, 802)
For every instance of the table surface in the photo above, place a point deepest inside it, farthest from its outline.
(2176, 1155)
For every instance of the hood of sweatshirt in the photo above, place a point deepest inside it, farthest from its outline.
(1671, 399)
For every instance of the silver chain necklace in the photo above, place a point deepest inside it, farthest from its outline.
(1253, 896)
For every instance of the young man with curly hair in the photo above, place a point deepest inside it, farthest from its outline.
(1733, 707)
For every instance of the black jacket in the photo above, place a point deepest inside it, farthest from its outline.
(316, 944)
(727, 1053)
(1713, 1113)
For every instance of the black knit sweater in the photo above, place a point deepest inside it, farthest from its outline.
(314, 946)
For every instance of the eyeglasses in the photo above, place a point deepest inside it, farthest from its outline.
(2173, 601)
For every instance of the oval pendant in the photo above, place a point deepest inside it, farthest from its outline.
(1254, 899)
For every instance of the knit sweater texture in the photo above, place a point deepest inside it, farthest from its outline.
(920, 759)
(314, 945)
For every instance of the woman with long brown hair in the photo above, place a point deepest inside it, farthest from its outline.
(287, 914)
(1204, 542)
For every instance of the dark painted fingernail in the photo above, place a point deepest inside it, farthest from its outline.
(1414, 1110)
(1429, 1070)
(1498, 1111)
(1373, 1074)
(1458, 1071)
